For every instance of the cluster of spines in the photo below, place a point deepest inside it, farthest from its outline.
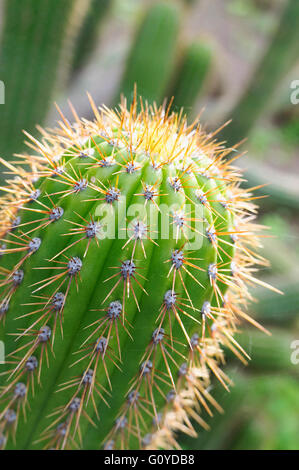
(167, 142)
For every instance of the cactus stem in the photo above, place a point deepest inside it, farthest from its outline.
(180, 311)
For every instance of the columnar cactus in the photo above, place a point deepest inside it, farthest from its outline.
(125, 255)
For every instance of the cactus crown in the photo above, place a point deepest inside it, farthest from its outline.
(125, 255)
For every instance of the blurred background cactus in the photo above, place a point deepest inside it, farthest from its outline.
(236, 59)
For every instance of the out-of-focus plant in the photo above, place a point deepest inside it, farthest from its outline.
(151, 59)
(36, 47)
(88, 34)
(260, 415)
(192, 75)
(277, 61)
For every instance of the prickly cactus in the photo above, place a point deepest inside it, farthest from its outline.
(126, 249)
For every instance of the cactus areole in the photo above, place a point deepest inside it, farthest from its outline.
(125, 251)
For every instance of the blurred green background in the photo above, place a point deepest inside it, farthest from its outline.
(229, 59)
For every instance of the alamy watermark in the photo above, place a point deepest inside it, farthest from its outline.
(2, 353)
(138, 222)
(295, 354)
(2, 92)
(294, 96)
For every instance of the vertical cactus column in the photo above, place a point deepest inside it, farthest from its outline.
(151, 58)
(125, 255)
(86, 40)
(277, 61)
(36, 45)
(192, 75)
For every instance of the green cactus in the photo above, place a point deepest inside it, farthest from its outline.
(282, 190)
(151, 59)
(272, 353)
(125, 255)
(192, 75)
(282, 310)
(89, 31)
(36, 45)
(277, 61)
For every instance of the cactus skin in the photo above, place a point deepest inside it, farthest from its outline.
(107, 306)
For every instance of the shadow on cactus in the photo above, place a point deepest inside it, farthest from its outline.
(125, 256)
